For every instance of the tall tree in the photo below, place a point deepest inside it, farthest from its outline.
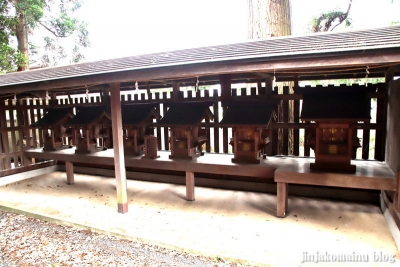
(328, 21)
(52, 19)
(269, 18)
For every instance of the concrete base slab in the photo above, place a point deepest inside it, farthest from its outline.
(219, 223)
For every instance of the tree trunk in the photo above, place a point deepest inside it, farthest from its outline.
(269, 18)
(272, 18)
(21, 32)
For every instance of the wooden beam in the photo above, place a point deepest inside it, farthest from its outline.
(119, 159)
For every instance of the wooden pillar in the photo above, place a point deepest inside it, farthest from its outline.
(381, 118)
(225, 82)
(296, 119)
(285, 110)
(69, 168)
(281, 199)
(226, 95)
(396, 200)
(190, 186)
(119, 159)
(175, 92)
(268, 86)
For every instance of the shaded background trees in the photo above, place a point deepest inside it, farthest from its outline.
(32, 33)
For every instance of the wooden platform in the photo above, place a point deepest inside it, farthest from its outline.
(285, 170)
(369, 175)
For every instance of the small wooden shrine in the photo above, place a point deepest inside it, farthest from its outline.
(137, 121)
(187, 132)
(55, 135)
(92, 128)
(249, 121)
(333, 137)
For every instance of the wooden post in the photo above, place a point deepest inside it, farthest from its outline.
(268, 86)
(225, 81)
(190, 186)
(281, 199)
(175, 92)
(396, 200)
(285, 110)
(69, 168)
(296, 119)
(119, 159)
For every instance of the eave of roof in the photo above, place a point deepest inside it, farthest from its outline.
(316, 45)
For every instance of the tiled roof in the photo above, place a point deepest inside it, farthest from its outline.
(88, 115)
(247, 113)
(54, 116)
(134, 114)
(277, 47)
(188, 113)
(322, 104)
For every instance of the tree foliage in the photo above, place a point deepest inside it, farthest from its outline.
(22, 21)
(328, 21)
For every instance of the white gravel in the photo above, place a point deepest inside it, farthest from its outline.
(26, 241)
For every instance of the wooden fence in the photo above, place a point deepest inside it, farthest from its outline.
(287, 135)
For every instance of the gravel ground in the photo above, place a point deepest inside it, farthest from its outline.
(25, 241)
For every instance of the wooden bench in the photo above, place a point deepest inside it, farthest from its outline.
(369, 175)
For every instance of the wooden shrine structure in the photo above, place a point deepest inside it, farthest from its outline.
(333, 136)
(55, 135)
(249, 121)
(187, 134)
(137, 121)
(91, 128)
(244, 71)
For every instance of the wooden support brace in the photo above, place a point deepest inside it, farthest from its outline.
(281, 199)
(190, 186)
(69, 168)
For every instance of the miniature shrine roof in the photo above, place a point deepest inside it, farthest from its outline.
(54, 116)
(137, 113)
(188, 113)
(247, 113)
(325, 104)
(89, 115)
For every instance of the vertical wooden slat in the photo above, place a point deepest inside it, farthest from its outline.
(216, 120)
(175, 91)
(26, 132)
(166, 130)
(33, 119)
(274, 132)
(285, 110)
(225, 141)
(158, 129)
(38, 116)
(119, 158)
(4, 134)
(208, 136)
(306, 147)
(296, 119)
(13, 135)
(253, 91)
(365, 142)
